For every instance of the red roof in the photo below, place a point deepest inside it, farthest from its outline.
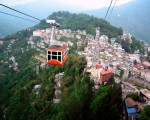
(147, 64)
(119, 67)
(105, 72)
(131, 102)
(57, 48)
(146, 93)
(98, 66)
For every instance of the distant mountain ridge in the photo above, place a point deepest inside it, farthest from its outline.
(38, 8)
(133, 17)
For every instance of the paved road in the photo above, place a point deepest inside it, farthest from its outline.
(126, 83)
(139, 82)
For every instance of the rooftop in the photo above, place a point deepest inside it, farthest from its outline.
(146, 93)
(106, 72)
(57, 47)
(146, 64)
(131, 102)
(40, 59)
(131, 111)
(98, 66)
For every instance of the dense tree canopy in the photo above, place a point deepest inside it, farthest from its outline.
(145, 114)
(107, 103)
(148, 56)
(83, 22)
(131, 47)
(134, 96)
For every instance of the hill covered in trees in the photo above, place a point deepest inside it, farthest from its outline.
(75, 21)
(78, 101)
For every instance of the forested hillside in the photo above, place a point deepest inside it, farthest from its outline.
(82, 22)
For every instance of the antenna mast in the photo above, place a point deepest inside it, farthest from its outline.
(54, 25)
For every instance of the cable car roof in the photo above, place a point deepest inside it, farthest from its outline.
(57, 48)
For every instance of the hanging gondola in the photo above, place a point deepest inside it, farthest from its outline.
(57, 52)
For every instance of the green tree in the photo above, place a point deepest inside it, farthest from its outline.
(145, 114)
(75, 105)
(148, 56)
(134, 96)
(107, 98)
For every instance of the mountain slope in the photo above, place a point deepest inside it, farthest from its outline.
(12, 25)
(133, 17)
(83, 22)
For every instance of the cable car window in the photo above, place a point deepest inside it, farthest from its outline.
(54, 53)
(54, 57)
(59, 58)
(49, 52)
(49, 57)
(59, 53)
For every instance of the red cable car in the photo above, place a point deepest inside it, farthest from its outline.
(57, 53)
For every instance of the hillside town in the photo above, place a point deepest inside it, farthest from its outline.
(104, 59)
(74, 60)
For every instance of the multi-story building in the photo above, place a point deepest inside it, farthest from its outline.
(105, 75)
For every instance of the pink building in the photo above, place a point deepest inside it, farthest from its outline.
(105, 75)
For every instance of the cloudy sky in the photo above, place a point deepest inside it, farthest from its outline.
(87, 4)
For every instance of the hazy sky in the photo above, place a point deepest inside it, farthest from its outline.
(87, 4)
